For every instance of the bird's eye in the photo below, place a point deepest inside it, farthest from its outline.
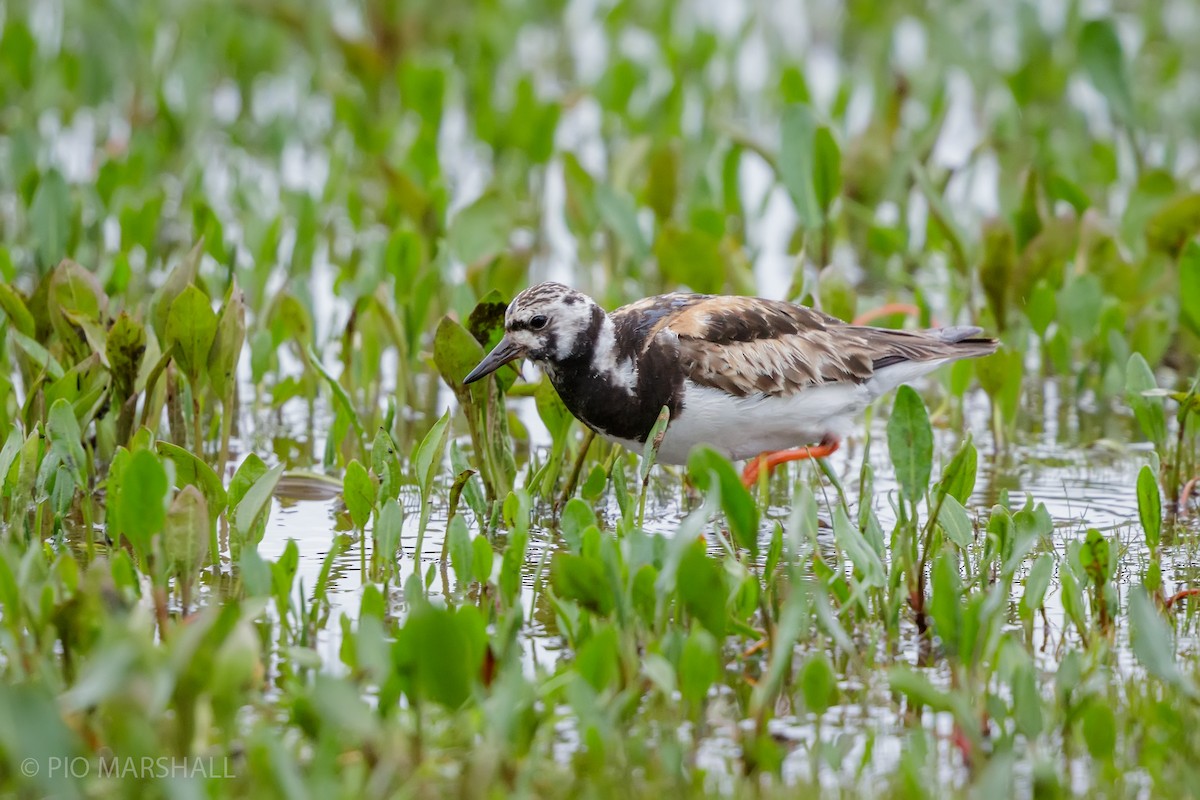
(538, 322)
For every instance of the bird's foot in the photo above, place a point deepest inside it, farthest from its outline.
(770, 461)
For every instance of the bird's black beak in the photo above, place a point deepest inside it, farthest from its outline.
(507, 350)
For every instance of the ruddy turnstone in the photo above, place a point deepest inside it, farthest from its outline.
(748, 376)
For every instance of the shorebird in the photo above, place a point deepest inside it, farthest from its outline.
(757, 379)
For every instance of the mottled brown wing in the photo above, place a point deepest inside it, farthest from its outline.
(746, 345)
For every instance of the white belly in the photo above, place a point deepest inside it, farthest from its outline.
(743, 427)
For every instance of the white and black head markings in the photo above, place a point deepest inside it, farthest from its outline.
(553, 323)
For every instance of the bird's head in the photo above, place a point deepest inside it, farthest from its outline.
(546, 323)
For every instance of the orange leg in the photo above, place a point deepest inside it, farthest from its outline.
(772, 460)
(868, 317)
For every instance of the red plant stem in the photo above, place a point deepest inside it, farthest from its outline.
(1186, 495)
(1170, 601)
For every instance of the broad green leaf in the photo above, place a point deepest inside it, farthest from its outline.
(358, 490)
(865, 560)
(50, 217)
(62, 428)
(126, 347)
(945, 605)
(818, 683)
(582, 580)
(142, 503)
(186, 531)
(431, 452)
(480, 231)
(191, 326)
(958, 479)
(192, 470)
(910, 441)
(1099, 725)
(699, 666)
(1149, 506)
(482, 558)
(796, 163)
(690, 257)
(598, 659)
(1104, 62)
(14, 307)
(701, 586)
(385, 463)
(1189, 286)
(827, 169)
(740, 510)
(1151, 417)
(1036, 584)
(1153, 640)
(250, 470)
(227, 343)
(256, 501)
(458, 543)
(955, 522)
(439, 653)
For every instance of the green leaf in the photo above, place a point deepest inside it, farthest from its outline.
(1189, 286)
(865, 560)
(1104, 62)
(818, 683)
(701, 587)
(699, 667)
(958, 479)
(186, 531)
(955, 522)
(480, 231)
(431, 451)
(227, 343)
(340, 398)
(458, 543)
(582, 579)
(690, 257)
(945, 606)
(653, 441)
(1152, 639)
(796, 163)
(256, 500)
(827, 169)
(125, 348)
(191, 326)
(50, 217)
(192, 470)
(75, 300)
(619, 214)
(62, 429)
(385, 463)
(251, 469)
(1149, 506)
(439, 654)
(910, 441)
(1151, 417)
(358, 490)
(14, 307)
(482, 557)
(141, 503)
(1099, 725)
(740, 510)
(1036, 584)
(598, 660)
(1094, 556)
